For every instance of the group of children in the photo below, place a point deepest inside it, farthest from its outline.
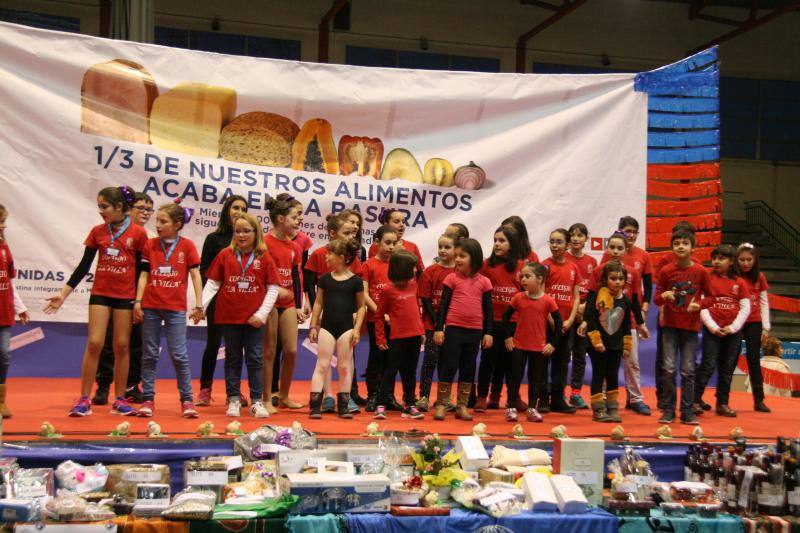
(255, 288)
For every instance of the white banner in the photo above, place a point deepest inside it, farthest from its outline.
(80, 113)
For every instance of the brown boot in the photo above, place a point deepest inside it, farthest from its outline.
(442, 400)
(612, 406)
(599, 408)
(462, 413)
(4, 410)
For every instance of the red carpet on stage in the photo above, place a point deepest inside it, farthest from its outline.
(34, 400)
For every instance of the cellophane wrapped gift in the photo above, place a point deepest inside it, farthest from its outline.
(294, 438)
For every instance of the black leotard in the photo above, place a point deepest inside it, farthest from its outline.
(339, 303)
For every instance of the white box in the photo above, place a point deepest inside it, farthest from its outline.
(539, 495)
(293, 461)
(473, 453)
(338, 493)
(571, 499)
(584, 460)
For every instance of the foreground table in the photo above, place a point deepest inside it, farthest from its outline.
(724, 523)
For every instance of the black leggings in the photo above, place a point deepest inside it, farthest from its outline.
(459, 353)
(605, 369)
(429, 363)
(495, 366)
(213, 342)
(403, 355)
(376, 360)
(718, 353)
(578, 359)
(752, 339)
(559, 363)
(535, 362)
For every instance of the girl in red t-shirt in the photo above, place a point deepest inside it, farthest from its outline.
(400, 304)
(526, 251)
(465, 292)
(169, 261)
(375, 273)
(531, 339)
(431, 284)
(724, 313)
(756, 328)
(10, 306)
(120, 243)
(563, 285)
(396, 219)
(338, 227)
(502, 268)
(246, 283)
(282, 324)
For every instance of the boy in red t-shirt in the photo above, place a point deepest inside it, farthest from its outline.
(680, 285)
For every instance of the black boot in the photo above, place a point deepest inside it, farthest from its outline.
(758, 400)
(342, 400)
(100, 395)
(372, 395)
(544, 399)
(315, 405)
(357, 398)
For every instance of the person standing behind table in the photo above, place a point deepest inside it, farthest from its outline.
(120, 243)
(141, 211)
(216, 241)
(10, 306)
(246, 282)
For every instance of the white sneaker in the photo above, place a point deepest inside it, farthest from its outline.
(258, 410)
(234, 408)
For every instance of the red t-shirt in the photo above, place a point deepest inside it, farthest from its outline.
(723, 301)
(634, 279)
(430, 285)
(316, 263)
(167, 284)
(235, 304)
(303, 241)
(638, 260)
(7, 273)
(586, 265)
(687, 284)
(376, 273)
(466, 303)
(402, 306)
(665, 260)
(560, 284)
(505, 285)
(285, 254)
(533, 258)
(755, 290)
(407, 246)
(115, 275)
(531, 332)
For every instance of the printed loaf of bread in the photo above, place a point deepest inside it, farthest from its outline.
(190, 116)
(116, 99)
(259, 138)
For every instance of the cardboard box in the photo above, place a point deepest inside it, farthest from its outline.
(474, 456)
(294, 461)
(487, 475)
(584, 460)
(338, 493)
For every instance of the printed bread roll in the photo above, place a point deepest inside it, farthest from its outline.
(116, 99)
(190, 117)
(259, 138)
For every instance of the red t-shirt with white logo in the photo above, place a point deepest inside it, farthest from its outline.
(687, 284)
(755, 291)
(560, 284)
(505, 285)
(166, 286)
(285, 255)
(7, 273)
(115, 275)
(316, 263)
(531, 332)
(586, 265)
(237, 303)
(431, 285)
(407, 246)
(402, 306)
(723, 302)
(376, 273)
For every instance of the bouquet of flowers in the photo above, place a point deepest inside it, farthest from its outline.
(436, 468)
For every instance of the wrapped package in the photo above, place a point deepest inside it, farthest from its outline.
(152, 499)
(124, 478)
(81, 479)
(266, 470)
(29, 483)
(284, 436)
(502, 457)
(569, 495)
(191, 505)
(19, 510)
(206, 475)
(252, 490)
(7, 465)
(496, 502)
(464, 492)
(539, 495)
(69, 507)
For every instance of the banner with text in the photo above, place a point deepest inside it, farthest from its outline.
(81, 113)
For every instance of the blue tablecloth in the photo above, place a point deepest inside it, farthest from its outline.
(462, 521)
(686, 524)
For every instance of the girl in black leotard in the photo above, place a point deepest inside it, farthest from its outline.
(340, 294)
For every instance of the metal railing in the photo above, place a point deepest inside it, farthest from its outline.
(775, 226)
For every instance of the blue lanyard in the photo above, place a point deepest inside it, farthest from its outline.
(168, 254)
(123, 229)
(249, 261)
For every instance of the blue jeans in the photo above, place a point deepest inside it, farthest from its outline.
(5, 341)
(175, 329)
(679, 345)
(243, 343)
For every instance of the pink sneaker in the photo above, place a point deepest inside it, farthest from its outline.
(83, 407)
(188, 410)
(147, 408)
(204, 397)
